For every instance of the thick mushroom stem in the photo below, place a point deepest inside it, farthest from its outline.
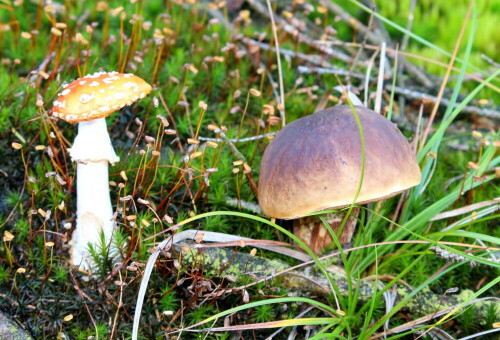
(313, 233)
(92, 150)
(94, 210)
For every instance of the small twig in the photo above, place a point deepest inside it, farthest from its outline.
(83, 296)
(273, 83)
(240, 157)
(416, 95)
(330, 70)
(491, 61)
(312, 59)
(367, 77)
(230, 145)
(240, 140)
(362, 46)
(120, 304)
(278, 59)
(252, 207)
(42, 67)
(380, 80)
(165, 106)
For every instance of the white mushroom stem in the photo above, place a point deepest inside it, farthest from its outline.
(92, 150)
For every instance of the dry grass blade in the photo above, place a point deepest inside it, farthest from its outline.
(380, 80)
(309, 58)
(278, 59)
(227, 240)
(467, 209)
(239, 140)
(367, 77)
(144, 284)
(472, 217)
(424, 97)
(268, 325)
(424, 319)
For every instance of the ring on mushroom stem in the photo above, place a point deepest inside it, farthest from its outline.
(87, 101)
(314, 164)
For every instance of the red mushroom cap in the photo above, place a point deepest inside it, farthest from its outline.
(98, 95)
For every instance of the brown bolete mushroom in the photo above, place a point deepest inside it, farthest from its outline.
(87, 101)
(314, 163)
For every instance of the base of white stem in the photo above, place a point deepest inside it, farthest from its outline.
(94, 213)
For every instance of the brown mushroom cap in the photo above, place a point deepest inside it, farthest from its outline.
(98, 95)
(314, 163)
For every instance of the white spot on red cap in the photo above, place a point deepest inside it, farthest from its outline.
(85, 98)
(60, 104)
(110, 79)
(94, 84)
(65, 92)
(82, 82)
(130, 84)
